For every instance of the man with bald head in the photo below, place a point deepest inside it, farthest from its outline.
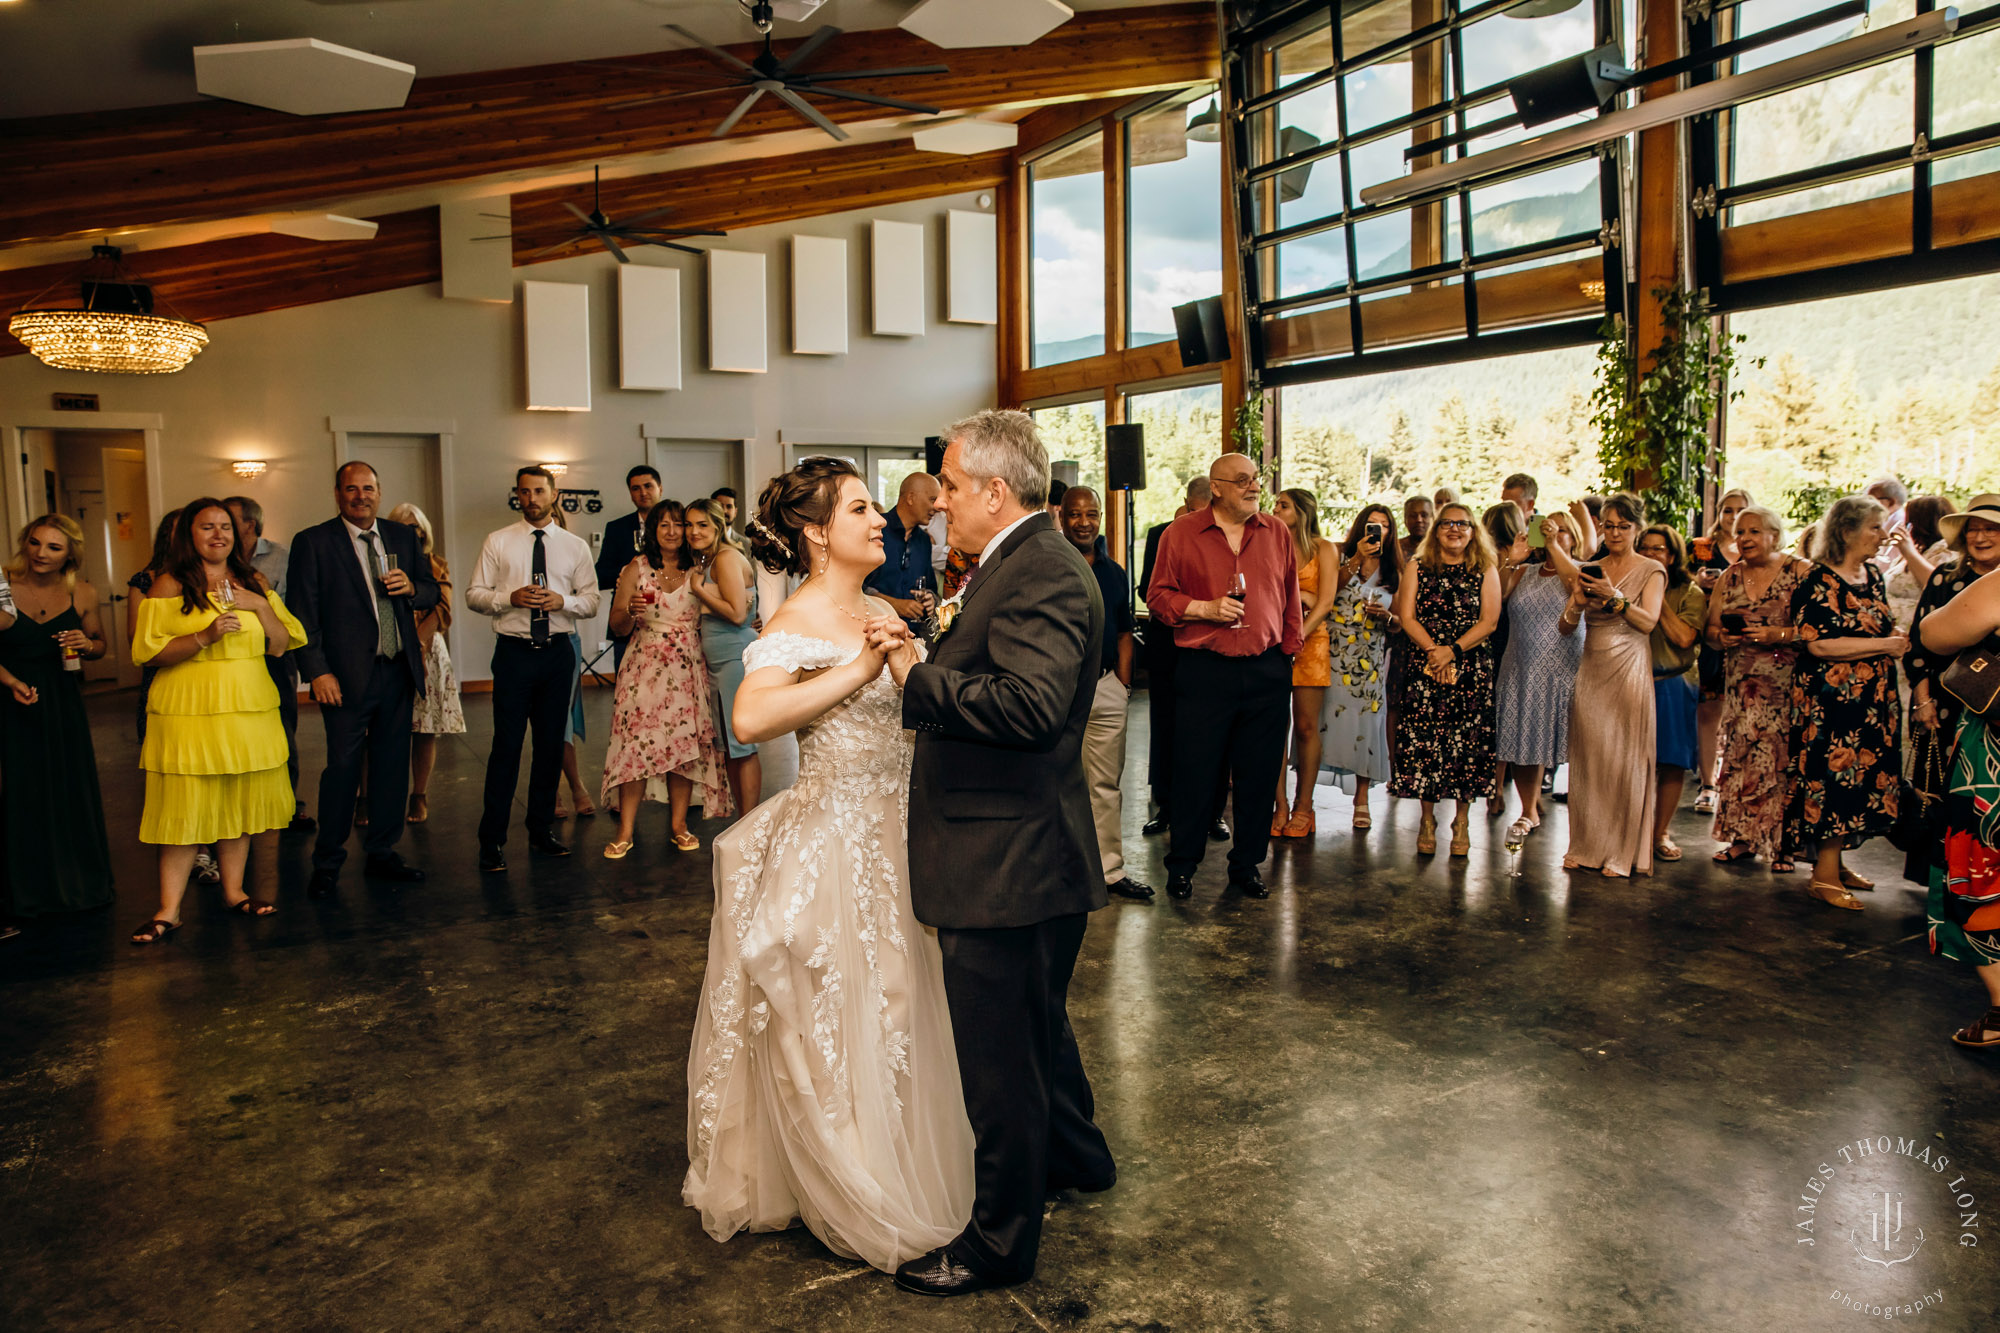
(1228, 583)
(905, 570)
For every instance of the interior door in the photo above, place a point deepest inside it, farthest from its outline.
(407, 468)
(127, 543)
(692, 469)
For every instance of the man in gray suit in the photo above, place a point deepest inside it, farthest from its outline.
(1003, 851)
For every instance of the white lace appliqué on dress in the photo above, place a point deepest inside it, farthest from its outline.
(822, 1082)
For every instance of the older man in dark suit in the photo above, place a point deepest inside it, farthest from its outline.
(1003, 853)
(357, 584)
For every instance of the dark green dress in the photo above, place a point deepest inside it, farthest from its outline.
(56, 858)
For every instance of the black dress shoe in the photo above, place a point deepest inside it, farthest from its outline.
(1133, 889)
(1180, 886)
(1097, 1186)
(1157, 825)
(302, 824)
(1219, 830)
(322, 885)
(492, 858)
(940, 1273)
(1250, 882)
(393, 868)
(544, 844)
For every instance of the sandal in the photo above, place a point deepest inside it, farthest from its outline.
(1986, 1032)
(586, 810)
(206, 871)
(1279, 822)
(1704, 804)
(1854, 881)
(1362, 819)
(1301, 826)
(1666, 849)
(248, 906)
(615, 851)
(1736, 851)
(687, 842)
(155, 930)
(1833, 895)
(420, 809)
(1461, 838)
(1427, 836)
(1782, 866)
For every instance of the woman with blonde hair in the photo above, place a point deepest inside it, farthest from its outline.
(1708, 557)
(56, 858)
(1449, 604)
(439, 712)
(1312, 669)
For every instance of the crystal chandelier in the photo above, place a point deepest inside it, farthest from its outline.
(114, 330)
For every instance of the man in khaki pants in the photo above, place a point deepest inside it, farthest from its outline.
(1104, 738)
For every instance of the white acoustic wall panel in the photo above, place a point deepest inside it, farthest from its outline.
(819, 296)
(474, 269)
(649, 327)
(556, 316)
(972, 258)
(896, 271)
(736, 334)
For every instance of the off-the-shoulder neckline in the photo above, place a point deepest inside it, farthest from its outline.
(774, 635)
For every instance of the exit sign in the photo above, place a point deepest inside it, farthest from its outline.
(76, 402)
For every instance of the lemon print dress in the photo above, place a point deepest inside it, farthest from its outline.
(214, 754)
(1354, 717)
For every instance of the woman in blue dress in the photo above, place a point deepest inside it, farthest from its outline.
(1354, 715)
(725, 585)
(1538, 673)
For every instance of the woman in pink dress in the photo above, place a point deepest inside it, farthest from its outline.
(664, 741)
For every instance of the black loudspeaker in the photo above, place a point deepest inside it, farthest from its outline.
(934, 454)
(1202, 331)
(1125, 457)
(1292, 184)
(1577, 83)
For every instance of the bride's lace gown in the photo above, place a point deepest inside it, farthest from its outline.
(822, 1083)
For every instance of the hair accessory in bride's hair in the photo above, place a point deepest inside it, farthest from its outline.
(772, 537)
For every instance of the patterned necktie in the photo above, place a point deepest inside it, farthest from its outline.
(538, 574)
(387, 643)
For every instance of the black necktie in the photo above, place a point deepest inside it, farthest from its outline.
(538, 574)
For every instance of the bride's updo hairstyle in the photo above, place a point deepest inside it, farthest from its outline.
(802, 498)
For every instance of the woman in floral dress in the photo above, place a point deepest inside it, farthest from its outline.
(1355, 713)
(1538, 673)
(440, 712)
(664, 741)
(1847, 740)
(1758, 647)
(1449, 604)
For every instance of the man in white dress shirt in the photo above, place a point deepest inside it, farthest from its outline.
(537, 581)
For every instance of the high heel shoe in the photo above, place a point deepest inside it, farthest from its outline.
(1301, 825)
(1833, 895)
(1427, 836)
(1279, 820)
(1461, 839)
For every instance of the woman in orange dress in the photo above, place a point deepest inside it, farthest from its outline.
(1312, 669)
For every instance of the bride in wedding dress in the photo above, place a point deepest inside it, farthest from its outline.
(822, 1082)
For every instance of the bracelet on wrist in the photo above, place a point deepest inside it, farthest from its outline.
(1457, 652)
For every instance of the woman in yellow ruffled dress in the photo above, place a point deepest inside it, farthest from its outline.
(214, 753)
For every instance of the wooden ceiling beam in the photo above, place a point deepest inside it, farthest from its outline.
(84, 175)
(248, 275)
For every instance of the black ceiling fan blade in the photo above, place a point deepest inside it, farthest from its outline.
(817, 77)
(805, 50)
(507, 237)
(657, 98)
(671, 75)
(559, 245)
(665, 231)
(684, 249)
(581, 216)
(811, 113)
(715, 51)
(637, 218)
(729, 121)
(874, 100)
(612, 246)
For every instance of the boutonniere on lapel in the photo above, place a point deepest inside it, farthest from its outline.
(947, 614)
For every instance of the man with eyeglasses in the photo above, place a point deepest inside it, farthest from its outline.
(1227, 582)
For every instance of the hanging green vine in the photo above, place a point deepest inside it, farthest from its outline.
(1657, 423)
(1249, 433)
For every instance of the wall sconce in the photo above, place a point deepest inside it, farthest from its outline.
(557, 470)
(248, 468)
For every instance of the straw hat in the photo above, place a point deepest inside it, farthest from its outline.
(1985, 506)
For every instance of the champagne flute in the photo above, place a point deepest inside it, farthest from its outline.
(225, 596)
(1239, 587)
(1516, 833)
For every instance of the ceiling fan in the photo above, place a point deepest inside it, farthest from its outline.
(783, 79)
(596, 226)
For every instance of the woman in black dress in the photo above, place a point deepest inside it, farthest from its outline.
(56, 856)
(1847, 736)
(1449, 604)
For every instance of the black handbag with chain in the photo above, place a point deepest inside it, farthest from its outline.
(1922, 798)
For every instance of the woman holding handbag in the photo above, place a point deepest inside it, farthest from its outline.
(1972, 542)
(1964, 904)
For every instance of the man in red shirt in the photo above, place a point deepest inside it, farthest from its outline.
(1227, 582)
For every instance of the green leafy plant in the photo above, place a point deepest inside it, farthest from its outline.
(1656, 423)
(1248, 437)
(1808, 504)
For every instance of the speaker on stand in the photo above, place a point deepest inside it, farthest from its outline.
(1125, 470)
(934, 454)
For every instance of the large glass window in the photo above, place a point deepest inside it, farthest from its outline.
(1174, 206)
(1075, 434)
(1183, 435)
(1066, 239)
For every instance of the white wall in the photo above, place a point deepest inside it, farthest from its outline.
(268, 384)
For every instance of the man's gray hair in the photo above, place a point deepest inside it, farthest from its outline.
(1521, 481)
(1200, 491)
(1005, 445)
(253, 513)
(1890, 485)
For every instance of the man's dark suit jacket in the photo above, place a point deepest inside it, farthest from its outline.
(1000, 825)
(616, 552)
(333, 600)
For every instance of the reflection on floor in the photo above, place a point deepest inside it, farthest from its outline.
(1404, 1093)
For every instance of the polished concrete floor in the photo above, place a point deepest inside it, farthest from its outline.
(1403, 1093)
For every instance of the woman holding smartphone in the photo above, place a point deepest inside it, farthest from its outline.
(1355, 712)
(1750, 621)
